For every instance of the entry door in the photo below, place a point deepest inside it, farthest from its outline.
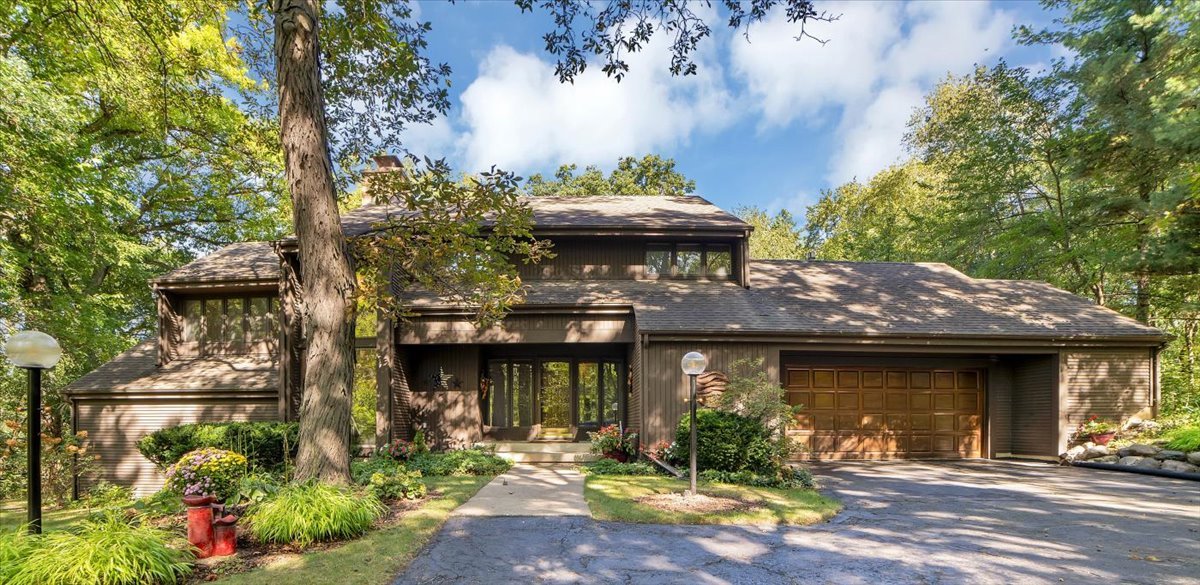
(555, 394)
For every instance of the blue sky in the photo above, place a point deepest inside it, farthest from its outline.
(769, 122)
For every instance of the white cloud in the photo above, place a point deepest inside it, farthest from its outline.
(879, 61)
(519, 116)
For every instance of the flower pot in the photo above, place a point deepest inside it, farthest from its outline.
(195, 501)
(1103, 438)
(225, 536)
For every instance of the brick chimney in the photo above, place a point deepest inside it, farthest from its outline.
(384, 163)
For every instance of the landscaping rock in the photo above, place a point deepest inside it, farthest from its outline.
(1138, 450)
(1179, 466)
(1075, 453)
(1095, 451)
(1194, 458)
(1138, 461)
(1172, 455)
(1105, 459)
(1133, 423)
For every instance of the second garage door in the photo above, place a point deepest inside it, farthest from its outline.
(859, 412)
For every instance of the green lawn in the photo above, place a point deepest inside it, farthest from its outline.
(12, 517)
(612, 497)
(376, 557)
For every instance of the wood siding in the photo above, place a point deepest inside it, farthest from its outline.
(665, 387)
(999, 400)
(115, 426)
(1112, 384)
(633, 404)
(1035, 407)
(447, 411)
(401, 396)
(519, 329)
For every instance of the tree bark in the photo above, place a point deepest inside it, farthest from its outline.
(328, 277)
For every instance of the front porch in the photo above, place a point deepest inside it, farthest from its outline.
(541, 451)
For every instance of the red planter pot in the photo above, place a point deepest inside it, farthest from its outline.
(1103, 438)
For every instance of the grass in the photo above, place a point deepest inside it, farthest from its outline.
(12, 517)
(614, 498)
(377, 557)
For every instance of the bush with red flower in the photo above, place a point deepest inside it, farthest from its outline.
(613, 442)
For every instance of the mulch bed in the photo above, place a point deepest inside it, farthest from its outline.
(252, 554)
(698, 504)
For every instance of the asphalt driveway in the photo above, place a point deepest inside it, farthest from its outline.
(977, 522)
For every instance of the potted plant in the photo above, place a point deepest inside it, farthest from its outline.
(1099, 430)
(612, 442)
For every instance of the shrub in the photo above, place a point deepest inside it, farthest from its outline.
(105, 495)
(253, 488)
(400, 485)
(361, 470)
(787, 478)
(105, 550)
(752, 393)
(64, 459)
(727, 442)
(462, 462)
(207, 471)
(399, 450)
(266, 445)
(614, 467)
(1185, 438)
(613, 440)
(304, 513)
(164, 502)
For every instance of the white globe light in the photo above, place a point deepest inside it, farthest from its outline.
(693, 363)
(33, 349)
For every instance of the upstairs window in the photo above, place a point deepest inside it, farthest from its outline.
(230, 321)
(689, 260)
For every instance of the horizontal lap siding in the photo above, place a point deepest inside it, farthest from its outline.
(1111, 384)
(115, 426)
(665, 387)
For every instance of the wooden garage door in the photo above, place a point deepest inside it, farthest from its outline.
(887, 413)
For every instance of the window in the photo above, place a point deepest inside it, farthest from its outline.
(554, 393)
(232, 321)
(689, 260)
(658, 260)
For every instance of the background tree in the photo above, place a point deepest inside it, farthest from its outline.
(775, 237)
(649, 175)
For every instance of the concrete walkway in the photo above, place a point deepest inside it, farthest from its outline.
(530, 490)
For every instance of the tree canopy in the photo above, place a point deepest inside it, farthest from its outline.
(649, 175)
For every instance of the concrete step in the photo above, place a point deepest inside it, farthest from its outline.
(542, 452)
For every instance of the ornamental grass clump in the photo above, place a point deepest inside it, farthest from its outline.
(107, 550)
(207, 471)
(304, 513)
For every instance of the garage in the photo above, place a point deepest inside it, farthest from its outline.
(886, 412)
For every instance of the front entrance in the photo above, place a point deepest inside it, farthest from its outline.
(551, 398)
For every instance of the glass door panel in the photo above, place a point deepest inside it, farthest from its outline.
(612, 393)
(522, 394)
(555, 395)
(589, 393)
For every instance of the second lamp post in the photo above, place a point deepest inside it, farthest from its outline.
(693, 364)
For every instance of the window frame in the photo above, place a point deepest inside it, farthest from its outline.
(673, 250)
(199, 325)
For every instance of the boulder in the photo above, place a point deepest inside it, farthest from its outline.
(1075, 453)
(1194, 457)
(1139, 450)
(1138, 461)
(1172, 455)
(1105, 459)
(1095, 451)
(1133, 423)
(1179, 466)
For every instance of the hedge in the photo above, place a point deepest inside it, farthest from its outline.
(266, 445)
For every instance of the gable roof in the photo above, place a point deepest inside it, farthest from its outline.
(240, 262)
(607, 212)
(861, 299)
(136, 371)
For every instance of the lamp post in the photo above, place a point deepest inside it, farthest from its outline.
(35, 351)
(693, 364)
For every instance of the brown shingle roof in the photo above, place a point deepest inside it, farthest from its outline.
(643, 213)
(135, 371)
(241, 262)
(845, 299)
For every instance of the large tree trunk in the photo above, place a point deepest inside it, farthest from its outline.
(328, 278)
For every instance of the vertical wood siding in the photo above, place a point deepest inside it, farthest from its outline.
(590, 259)
(1035, 407)
(450, 417)
(666, 388)
(115, 426)
(520, 329)
(633, 404)
(1113, 384)
(999, 396)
